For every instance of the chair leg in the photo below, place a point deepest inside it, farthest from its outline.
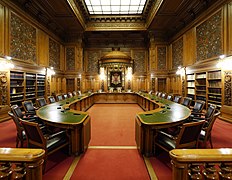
(17, 142)
(211, 144)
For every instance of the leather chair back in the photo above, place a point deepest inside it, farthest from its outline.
(41, 102)
(51, 99)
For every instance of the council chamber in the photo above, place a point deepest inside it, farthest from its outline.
(112, 89)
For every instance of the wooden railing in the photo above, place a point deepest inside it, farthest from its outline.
(21, 163)
(201, 164)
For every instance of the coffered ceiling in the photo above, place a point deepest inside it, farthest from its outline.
(69, 18)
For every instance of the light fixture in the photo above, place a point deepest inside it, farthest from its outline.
(102, 73)
(129, 74)
(6, 63)
(224, 62)
(50, 71)
(180, 71)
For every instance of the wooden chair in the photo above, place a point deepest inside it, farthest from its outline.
(65, 96)
(187, 101)
(163, 95)
(51, 99)
(205, 134)
(44, 140)
(207, 116)
(198, 106)
(70, 95)
(177, 99)
(74, 93)
(59, 97)
(21, 136)
(40, 102)
(15, 109)
(159, 94)
(170, 97)
(29, 107)
(187, 138)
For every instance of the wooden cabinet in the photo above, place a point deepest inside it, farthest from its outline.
(26, 86)
(206, 86)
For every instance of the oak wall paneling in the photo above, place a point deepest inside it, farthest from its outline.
(2, 29)
(229, 29)
(43, 48)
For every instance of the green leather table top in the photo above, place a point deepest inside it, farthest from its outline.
(168, 112)
(59, 112)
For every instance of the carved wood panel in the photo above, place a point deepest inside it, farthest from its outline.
(227, 87)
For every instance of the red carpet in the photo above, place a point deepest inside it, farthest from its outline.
(113, 124)
(113, 164)
(8, 134)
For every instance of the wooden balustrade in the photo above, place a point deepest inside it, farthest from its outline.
(201, 164)
(21, 163)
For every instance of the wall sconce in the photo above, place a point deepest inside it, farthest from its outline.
(129, 74)
(224, 62)
(102, 73)
(180, 71)
(50, 71)
(6, 63)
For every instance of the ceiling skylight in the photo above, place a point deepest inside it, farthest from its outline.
(101, 7)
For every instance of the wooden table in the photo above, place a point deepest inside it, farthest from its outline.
(161, 113)
(78, 123)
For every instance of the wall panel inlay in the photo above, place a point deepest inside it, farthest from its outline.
(177, 53)
(70, 58)
(161, 58)
(54, 54)
(228, 85)
(139, 62)
(209, 38)
(93, 57)
(22, 39)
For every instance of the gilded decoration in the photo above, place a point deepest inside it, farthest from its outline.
(3, 88)
(209, 38)
(227, 91)
(177, 53)
(22, 39)
(70, 58)
(161, 58)
(93, 57)
(54, 54)
(139, 62)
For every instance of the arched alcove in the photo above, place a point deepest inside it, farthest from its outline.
(117, 67)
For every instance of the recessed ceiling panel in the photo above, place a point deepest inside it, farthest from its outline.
(99, 7)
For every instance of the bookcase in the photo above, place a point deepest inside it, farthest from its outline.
(26, 86)
(206, 86)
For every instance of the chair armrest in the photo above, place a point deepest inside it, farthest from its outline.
(166, 134)
(50, 136)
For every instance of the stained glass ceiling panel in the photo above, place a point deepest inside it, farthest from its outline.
(99, 7)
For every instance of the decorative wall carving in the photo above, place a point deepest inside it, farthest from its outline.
(3, 88)
(209, 38)
(161, 58)
(228, 86)
(54, 54)
(22, 39)
(93, 57)
(139, 62)
(177, 53)
(70, 58)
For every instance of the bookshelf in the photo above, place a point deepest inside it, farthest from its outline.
(206, 86)
(214, 87)
(26, 86)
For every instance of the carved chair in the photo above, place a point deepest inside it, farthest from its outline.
(186, 138)
(159, 94)
(21, 136)
(65, 96)
(44, 140)
(74, 93)
(163, 95)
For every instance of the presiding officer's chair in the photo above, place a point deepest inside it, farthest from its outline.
(187, 138)
(44, 140)
(21, 136)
